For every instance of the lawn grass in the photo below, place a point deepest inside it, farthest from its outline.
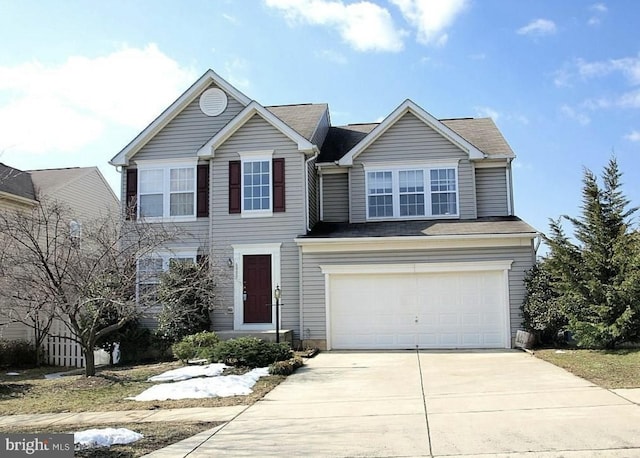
(31, 393)
(156, 436)
(607, 368)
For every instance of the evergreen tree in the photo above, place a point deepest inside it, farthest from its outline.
(597, 278)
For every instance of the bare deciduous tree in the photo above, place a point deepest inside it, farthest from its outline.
(53, 270)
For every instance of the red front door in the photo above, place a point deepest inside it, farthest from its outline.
(256, 274)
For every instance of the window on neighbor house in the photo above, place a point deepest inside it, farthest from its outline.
(412, 193)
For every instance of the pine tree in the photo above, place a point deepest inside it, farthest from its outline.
(597, 278)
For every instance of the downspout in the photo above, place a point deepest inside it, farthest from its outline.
(306, 186)
(509, 188)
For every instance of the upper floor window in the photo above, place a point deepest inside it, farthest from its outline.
(256, 185)
(412, 192)
(167, 190)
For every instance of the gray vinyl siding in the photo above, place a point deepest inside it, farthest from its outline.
(88, 197)
(231, 229)
(15, 331)
(187, 132)
(491, 189)
(412, 140)
(335, 198)
(312, 186)
(314, 326)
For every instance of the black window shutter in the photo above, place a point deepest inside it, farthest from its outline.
(278, 185)
(202, 188)
(131, 193)
(235, 194)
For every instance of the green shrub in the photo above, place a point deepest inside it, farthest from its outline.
(287, 367)
(135, 342)
(196, 346)
(17, 353)
(251, 352)
(542, 310)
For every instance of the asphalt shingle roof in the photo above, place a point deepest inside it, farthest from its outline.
(341, 139)
(303, 118)
(481, 226)
(16, 182)
(482, 133)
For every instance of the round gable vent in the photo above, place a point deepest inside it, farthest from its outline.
(213, 101)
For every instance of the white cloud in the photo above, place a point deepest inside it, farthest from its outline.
(629, 100)
(235, 71)
(332, 56)
(634, 136)
(365, 26)
(598, 11)
(538, 27)
(232, 19)
(67, 106)
(487, 112)
(430, 18)
(599, 8)
(571, 113)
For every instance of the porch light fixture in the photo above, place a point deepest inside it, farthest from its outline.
(230, 262)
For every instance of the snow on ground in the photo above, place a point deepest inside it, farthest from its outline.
(105, 437)
(185, 373)
(210, 387)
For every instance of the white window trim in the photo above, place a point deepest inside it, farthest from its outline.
(395, 170)
(239, 251)
(166, 166)
(255, 156)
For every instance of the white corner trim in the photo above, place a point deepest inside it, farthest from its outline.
(405, 107)
(209, 77)
(410, 268)
(209, 148)
(239, 251)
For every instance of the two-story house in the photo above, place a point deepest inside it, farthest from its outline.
(399, 234)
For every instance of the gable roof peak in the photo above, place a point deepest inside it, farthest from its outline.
(409, 106)
(123, 157)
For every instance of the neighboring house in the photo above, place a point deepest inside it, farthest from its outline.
(399, 234)
(82, 189)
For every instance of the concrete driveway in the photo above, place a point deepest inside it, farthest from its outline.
(503, 403)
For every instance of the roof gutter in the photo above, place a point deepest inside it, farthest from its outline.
(413, 238)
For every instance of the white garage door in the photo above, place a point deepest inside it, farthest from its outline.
(427, 310)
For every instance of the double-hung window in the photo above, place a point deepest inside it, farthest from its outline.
(257, 183)
(150, 268)
(167, 190)
(412, 192)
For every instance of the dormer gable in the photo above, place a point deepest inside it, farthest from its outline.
(409, 106)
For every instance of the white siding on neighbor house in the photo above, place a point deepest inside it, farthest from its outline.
(491, 188)
(232, 229)
(88, 197)
(187, 132)
(335, 198)
(412, 140)
(314, 198)
(314, 307)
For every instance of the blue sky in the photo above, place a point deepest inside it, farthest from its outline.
(78, 80)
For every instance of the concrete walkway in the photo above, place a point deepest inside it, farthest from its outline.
(128, 416)
(428, 404)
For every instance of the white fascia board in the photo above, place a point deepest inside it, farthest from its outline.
(15, 198)
(420, 267)
(410, 107)
(327, 168)
(209, 148)
(123, 157)
(357, 244)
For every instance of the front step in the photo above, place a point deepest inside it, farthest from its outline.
(286, 335)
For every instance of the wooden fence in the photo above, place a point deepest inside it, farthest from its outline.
(60, 349)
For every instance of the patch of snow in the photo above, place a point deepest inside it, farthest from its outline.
(197, 388)
(185, 373)
(105, 437)
(13, 373)
(560, 351)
